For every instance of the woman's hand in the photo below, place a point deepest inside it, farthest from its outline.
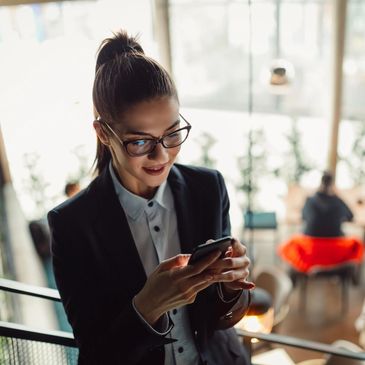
(233, 269)
(173, 284)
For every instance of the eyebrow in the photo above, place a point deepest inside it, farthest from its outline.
(131, 131)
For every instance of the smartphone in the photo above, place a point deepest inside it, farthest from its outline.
(204, 249)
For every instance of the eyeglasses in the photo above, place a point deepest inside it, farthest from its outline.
(145, 146)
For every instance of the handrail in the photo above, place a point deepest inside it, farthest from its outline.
(67, 339)
(299, 343)
(32, 290)
(19, 331)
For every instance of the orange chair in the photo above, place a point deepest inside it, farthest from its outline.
(323, 256)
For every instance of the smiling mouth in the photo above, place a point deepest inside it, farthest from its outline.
(154, 170)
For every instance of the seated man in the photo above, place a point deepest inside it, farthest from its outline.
(324, 212)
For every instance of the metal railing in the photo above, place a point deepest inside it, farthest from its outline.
(18, 342)
(298, 343)
(21, 344)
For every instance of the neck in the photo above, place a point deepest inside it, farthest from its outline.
(326, 190)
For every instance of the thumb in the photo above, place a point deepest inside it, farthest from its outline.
(229, 252)
(180, 260)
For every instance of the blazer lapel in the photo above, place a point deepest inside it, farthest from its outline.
(113, 228)
(184, 208)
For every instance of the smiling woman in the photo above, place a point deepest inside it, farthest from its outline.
(128, 236)
(142, 164)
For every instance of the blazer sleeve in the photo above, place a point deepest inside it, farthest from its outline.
(227, 314)
(106, 329)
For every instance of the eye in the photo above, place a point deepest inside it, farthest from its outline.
(138, 143)
(174, 134)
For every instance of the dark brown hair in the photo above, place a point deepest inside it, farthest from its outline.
(124, 76)
(326, 182)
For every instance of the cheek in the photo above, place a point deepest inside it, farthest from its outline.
(134, 163)
(127, 162)
(173, 152)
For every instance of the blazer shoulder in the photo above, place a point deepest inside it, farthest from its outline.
(197, 172)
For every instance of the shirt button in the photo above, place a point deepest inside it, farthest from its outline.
(156, 228)
(150, 204)
(174, 311)
(180, 349)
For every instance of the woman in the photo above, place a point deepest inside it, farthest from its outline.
(121, 246)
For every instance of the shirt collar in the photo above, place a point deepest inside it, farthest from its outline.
(133, 204)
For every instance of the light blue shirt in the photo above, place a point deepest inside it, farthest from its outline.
(154, 228)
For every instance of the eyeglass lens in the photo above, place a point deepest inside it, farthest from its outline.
(144, 146)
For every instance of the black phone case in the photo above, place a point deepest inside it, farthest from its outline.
(204, 249)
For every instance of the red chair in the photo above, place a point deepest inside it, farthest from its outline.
(323, 256)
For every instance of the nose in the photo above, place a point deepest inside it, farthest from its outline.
(159, 154)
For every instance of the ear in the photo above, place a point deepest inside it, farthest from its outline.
(103, 137)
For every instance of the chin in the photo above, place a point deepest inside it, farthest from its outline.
(156, 182)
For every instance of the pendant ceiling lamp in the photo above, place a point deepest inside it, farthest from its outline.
(279, 76)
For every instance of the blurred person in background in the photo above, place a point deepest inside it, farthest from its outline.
(72, 188)
(324, 212)
(121, 247)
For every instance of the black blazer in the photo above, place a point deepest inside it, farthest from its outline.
(98, 271)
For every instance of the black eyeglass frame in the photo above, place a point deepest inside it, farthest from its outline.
(156, 140)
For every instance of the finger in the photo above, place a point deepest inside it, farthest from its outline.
(180, 260)
(229, 263)
(232, 275)
(200, 279)
(199, 266)
(238, 248)
(202, 286)
(229, 252)
(240, 285)
(190, 296)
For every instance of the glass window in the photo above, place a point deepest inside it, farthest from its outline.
(210, 62)
(46, 71)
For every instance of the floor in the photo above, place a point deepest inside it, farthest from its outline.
(322, 319)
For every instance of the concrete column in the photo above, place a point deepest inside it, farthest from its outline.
(161, 28)
(37, 313)
(26, 264)
(339, 27)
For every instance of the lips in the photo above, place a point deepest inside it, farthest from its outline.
(155, 170)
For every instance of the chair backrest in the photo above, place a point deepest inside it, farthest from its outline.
(260, 220)
(338, 360)
(277, 282)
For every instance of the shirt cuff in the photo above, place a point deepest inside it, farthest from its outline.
(162, 327)
(225, 299)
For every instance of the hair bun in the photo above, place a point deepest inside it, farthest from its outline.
(120, 44)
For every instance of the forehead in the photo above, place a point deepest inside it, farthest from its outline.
(150, 116)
